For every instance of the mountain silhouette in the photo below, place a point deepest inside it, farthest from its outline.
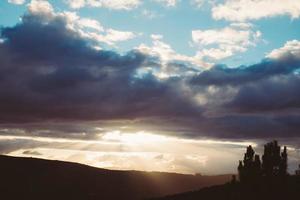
(31, 178)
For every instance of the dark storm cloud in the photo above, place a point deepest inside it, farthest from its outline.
(271, 85)
(248, 126)
(257, 101)
(54, 84)
(49, 72)
(221, 75)
(275, 94)
(56, 129)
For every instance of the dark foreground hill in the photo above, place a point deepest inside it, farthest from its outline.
(30, 178)
(287, 189)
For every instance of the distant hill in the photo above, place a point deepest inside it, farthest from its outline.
(288, 189)
(31, 178)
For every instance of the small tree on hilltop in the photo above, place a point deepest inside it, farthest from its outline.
(249, 169)
(274, 163)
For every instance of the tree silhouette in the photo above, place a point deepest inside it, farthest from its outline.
(250, 168)
(274, 163)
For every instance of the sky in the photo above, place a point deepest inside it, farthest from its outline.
(157, 85)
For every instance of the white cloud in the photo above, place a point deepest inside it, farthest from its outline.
(113, 36)
(225, 36)
(18, 2)
(242, 10)
(77, 23)
(217, 54)
(158, 48)
(197, 3)
(168, 3)
(116, 4)
(167, 56)
(75, 4)
(150, 14)
(41, 7)
(108, 36)
(241, 25)
(290, 48)
(90, 23)
(218, 44)
(85, 27)
(166, 53)
(156, 37)
(111, 4)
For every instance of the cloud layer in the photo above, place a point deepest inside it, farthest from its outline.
(69, 79)
(51, 72)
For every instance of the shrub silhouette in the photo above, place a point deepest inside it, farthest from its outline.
(274, 163)
(297, 172)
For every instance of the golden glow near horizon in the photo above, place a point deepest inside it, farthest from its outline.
(137, 151)
(133, 138)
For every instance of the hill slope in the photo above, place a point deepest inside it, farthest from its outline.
(30, 178)
(287, 189)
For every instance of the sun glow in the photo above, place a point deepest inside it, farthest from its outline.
(133, 138)
(141, 150)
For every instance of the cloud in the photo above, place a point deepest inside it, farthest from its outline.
(167, 54)
(255, 88)
(84, 27)
(116, 4)
(218, 44)
(222, 75)
(197, 3)
(150, 14)
(134, 151)
(243, 10)
(17, 2)
(111, 4)
(274, 94)
(89, 23)
(75, 4)
(62, 72)
(242, 25)
(290, 48)
(13, 144)
(54, 83)
(41, 7)
(113, 36)
(264, 94)
(32, 152)
(168, 3)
